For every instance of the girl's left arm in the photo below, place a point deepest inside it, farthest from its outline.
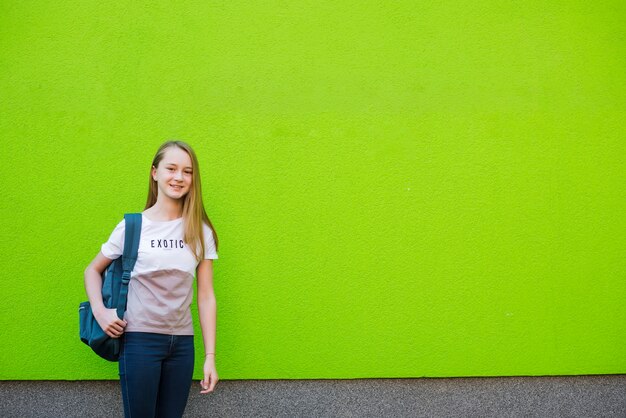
(207, 311)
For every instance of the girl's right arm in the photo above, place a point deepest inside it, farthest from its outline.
(107, 318)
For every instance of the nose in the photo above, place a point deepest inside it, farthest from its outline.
(178, 175)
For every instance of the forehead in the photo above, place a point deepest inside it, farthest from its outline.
(176, 156)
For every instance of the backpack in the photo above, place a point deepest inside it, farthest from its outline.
(115, 281)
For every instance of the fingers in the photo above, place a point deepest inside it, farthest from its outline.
(114, 333)
(208, 383)
(117, 321)
(205, 385)
(111, 324)
(116, 328)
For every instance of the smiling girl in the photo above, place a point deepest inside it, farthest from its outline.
(177, 240)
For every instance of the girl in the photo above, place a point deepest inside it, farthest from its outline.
(177, 238)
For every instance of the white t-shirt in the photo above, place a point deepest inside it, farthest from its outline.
(161, 287)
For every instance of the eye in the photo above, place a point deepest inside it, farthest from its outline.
(170, 168)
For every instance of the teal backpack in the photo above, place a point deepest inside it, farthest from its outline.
(115, 281)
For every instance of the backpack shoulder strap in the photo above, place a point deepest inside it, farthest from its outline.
(132, 237)
(131, 241)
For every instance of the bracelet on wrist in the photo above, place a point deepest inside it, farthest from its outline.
(208, 354)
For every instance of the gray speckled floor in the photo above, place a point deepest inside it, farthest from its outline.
(549, 396)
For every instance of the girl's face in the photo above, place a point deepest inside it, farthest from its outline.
(174, 173)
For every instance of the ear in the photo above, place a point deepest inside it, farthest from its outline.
(153, 173)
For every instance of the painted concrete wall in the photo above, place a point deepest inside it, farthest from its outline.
(401, 189)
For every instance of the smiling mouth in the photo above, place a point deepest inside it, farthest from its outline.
(176, 187)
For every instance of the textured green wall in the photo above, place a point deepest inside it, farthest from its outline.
(401, 189)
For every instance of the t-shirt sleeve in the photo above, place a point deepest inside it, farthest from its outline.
(209, 243)
(114, 247)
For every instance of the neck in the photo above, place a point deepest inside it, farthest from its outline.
(167, 209)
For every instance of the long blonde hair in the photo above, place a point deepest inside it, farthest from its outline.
(193, 207)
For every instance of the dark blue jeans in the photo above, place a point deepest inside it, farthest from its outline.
(155, 374)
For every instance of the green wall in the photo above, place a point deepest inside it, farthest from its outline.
(401, 189)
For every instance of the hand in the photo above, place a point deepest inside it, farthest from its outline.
(210, 375)
(110, 323)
